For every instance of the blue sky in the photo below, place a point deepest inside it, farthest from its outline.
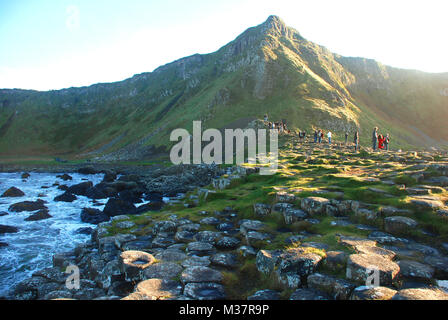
(56, 44)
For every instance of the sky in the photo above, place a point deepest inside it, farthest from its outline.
(46, 45)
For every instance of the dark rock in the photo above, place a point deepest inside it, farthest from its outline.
(97, 192)
(227, 260)
(133, 196)
(109, 176)
(87, 170)
(39, 215)
(13, 192)
(200, 274)
(308, 294)
(64, 177)
(3, 244)
(80, 189)
(162, 270)
(152, 206)
(117, 207)
(339, 289)
(3, 213)
(25, 175)
(85, 230)
(65, 197)
(94, 216)
(200, 248)
(8, 229)
(28, 206)
(227, 243)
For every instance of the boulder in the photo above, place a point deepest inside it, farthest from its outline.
(227, 243)
(94, 216)
(80, 189)
(116, 207)
(339, 289)
(39, 215)
(64, 177)
(13, 192)
(314, 205)
(266, 260)
(292, 215)
(362, 267)
(399, 224)
(8, 229)
(27, 206)
(65, 197)
(25, 175)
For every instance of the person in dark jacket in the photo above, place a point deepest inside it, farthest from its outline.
(356, 140)
(386, 142)
(375, 138)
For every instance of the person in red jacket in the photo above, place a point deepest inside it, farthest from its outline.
(381, 141)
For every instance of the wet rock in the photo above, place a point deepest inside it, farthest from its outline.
(314, 205)
(308, 294)
(8, 229)
(261, 209)
(27, 206)
(266, 294)
(39, 215)
(339, 289)
(85, 230)
(116, 207)
(133, 263)
(3, 213)
(65, 197)
(421, 294)
(399, 224)
(94, 216)
(158, 289)
(80, 189)
(64, 177)
(13, 192)
(87, 170)
(34, 288)
(360, 266)
(204, 291)
(372, 293)
(25, 175)
(200, 274)
(415, 270)
(162, 270)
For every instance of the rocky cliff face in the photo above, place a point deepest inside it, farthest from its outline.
(269, 68)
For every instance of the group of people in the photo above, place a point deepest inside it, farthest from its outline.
(379, 141)
(278, 125)
(319, 136)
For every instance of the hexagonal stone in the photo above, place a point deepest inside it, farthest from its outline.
(416, 270)
(200, 274)
(339, 289)
(210, 221)
(204, 291)
(399, 224)
(251, 225)
(227, 243)
(191, 227)
(162, 270)
(162, 242)
(132, 263)
(372, 293)
(421, 294)
(352, 242)
(171, 255)
(184, 236)
(388, 254)
(164, 226)
(200, 248)
(360, 266)
(285, 197)
(227, 260)
(280, 207)
(292, 215)
(308, 294)
(296, 263)
(207, 236)
(266, 260)
(314, 205)
(262, 209)
(266, 294)
(158, 289)
(195, 261)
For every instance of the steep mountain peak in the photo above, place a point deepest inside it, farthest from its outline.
(274, 25)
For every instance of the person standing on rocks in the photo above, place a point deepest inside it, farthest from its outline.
(356, 140)
(346, 137)
(320, 135)
(386, 142)
(329, 137)
(375, 138)
(316, 132)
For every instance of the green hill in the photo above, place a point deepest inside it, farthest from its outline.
(269, 69)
